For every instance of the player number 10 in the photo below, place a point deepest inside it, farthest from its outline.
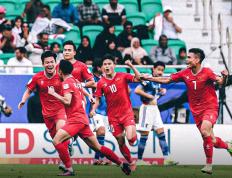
(195, 85)
(113, 88)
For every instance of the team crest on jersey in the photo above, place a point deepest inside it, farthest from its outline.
(187, 77)
(117, 79)
(41, 82)
(105, 85)
(65, 86)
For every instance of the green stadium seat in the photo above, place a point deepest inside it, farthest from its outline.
(150, 8)
(37, 69)
(176, 45)
(131, 6)
(6, 56)
(76, 2)
(137, 18)
(51, 3)
(147, 44)
(101, 3)
(92, 31)
(118, 29)
(74, 35)
(9, 5)
(169, 70)
(12, 16)
(120, 69)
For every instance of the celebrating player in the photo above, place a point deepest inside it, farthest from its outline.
(100, 120)
(202, 100)
(52, 109)
(114, 86)
(149, 115)
(77, 122)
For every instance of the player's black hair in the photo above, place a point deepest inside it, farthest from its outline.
(47, 54)
(66, 67)
(107, 56)
(159, 63)
(198, 52)
(69, 42)
(96, 63)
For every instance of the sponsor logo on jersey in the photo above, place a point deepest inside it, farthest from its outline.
(65, 86)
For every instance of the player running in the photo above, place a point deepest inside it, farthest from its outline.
(149, 115)
(52, 109)
(77, 122)
(202, 100)
(114, 86)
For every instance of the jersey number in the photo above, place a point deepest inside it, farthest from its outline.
(195, 85)
(113, 88)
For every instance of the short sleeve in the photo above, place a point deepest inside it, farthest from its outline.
(31, 85)
(177, 77)
(129, 78)
(86, 73)
(212, 76)
(98, 92)
(67, 88)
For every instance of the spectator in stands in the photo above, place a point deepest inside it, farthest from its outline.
(22, 38)
(84, 51)
(66, 11)
(182, 55)
(100, 45)
(32, 10)
(114, 13)
(56, 49)
(162, 52)
(18, 22)
(36, 49)
(89, 14)
(136, 52)
(124, 38)
(34, 109)
(19, 60)
(2, 14)
(112, 50)
(164, 24)
(7, 39)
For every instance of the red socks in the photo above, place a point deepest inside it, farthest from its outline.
(132, 141)
(208, 147)
(62, 149)
(110, 155)
(126, 153)
(220, 144)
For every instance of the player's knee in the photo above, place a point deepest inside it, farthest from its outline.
(205, 132)
(56, 140)
(101, 131)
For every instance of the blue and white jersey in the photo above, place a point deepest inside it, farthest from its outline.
(102, 106)
(151, 88)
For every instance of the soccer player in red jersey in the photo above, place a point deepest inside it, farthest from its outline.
(114, 86)
(202, 100)
(80, 70)
(77, 122)
(52, 109)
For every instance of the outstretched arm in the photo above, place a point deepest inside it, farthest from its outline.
(26, 95)
(137, 73)
(95, 106)
(164, 80)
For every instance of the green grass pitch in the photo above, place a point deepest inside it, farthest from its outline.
(88, 171)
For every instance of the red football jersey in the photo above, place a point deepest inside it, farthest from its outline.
(75, 112)
(81, 72)
(117, 94)
(40, 82)
(200, 89)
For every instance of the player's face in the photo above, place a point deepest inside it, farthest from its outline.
(192, 60)
(108, 67)
(69, 52)
(158, 71)
(49, 65)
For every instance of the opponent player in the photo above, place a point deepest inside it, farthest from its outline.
(202, 100)
(77, 122)
(149, 115)
(52, 109)
(114, 86)
(100, 120)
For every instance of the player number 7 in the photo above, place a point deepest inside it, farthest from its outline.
(195, 85)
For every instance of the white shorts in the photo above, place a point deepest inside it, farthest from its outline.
(149, 118)
(99, 121)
